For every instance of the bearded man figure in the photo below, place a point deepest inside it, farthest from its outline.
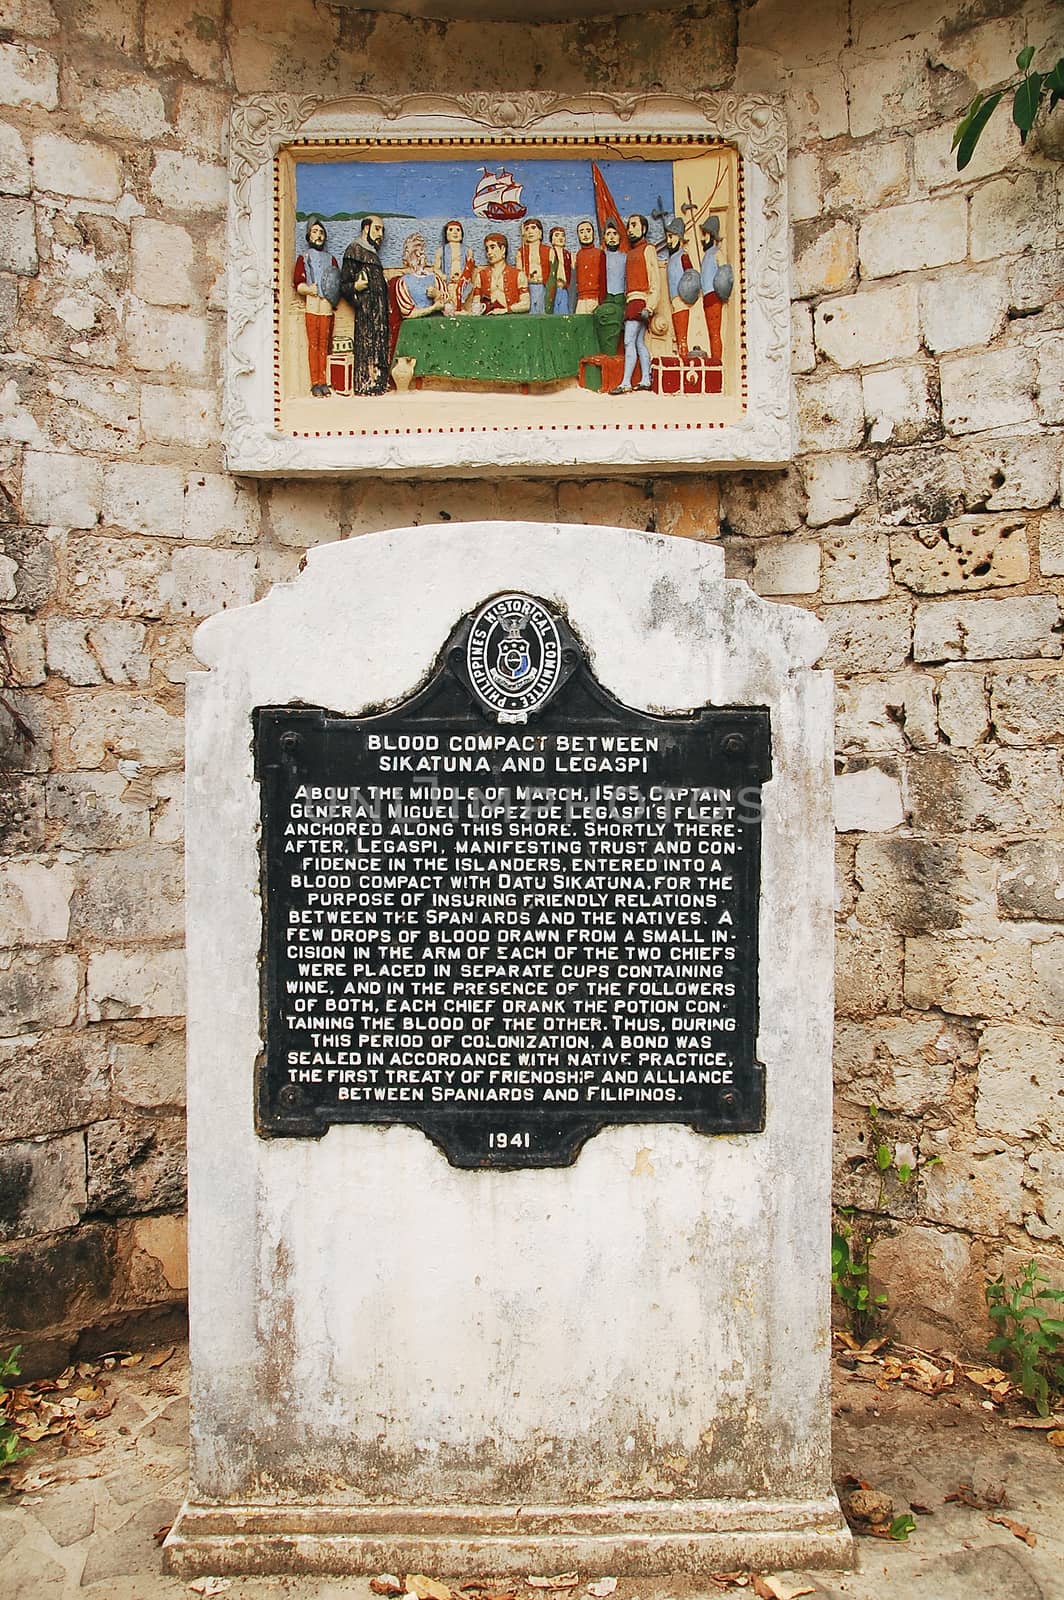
(363, 286)
(316, 280)
(642, 291)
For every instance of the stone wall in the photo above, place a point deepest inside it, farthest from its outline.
(922, 520)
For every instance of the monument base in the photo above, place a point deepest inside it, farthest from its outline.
(628, 1538)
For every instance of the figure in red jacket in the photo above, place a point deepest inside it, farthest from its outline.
(501, 288)
(316, 280)
(589, 270)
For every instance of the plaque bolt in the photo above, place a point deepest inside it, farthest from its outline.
(729, 1101)
(289, 741)
(290, 1095)
(733, 744)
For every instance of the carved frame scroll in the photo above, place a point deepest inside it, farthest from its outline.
(751, 425)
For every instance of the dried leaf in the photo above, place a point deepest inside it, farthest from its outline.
(773, 1588)
(210, 1586)
(426, 1588)
(134, 1361)
(160, 1533)
(386, 1583)
(564, 1580)
(602, 1588)
(37, 1480)
(985, 1377)
(1056, 1438)
(988, 1500)
(1041, 1424)
(1018, 1529)
(735, 1580)
(160, 1358)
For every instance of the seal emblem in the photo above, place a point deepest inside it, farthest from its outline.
(514, 656)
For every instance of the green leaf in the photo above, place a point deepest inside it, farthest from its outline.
(1025, 57)
(966, 121)
(883, 1157)
(1054, 83)
(968, 137)
(905, 1172)
(1025, 103)
(902, 1526)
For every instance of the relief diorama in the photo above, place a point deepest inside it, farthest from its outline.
(474, 284)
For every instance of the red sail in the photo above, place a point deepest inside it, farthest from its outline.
(606, 206)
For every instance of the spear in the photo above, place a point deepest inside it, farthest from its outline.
(690, 206)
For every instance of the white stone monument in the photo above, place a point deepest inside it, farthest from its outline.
(618, 1365)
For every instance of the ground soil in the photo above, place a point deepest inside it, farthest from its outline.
(82, 1513)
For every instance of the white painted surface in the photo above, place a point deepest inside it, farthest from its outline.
(648, 1326)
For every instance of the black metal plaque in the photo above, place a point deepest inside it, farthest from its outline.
(510, 934)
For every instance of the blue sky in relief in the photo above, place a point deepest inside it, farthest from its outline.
(430, 189)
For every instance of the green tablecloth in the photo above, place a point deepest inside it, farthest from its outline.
(515, 348)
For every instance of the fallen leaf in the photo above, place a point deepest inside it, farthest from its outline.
(210, 1586)
(37, 1480)
(985, 1376)
(1056, 1438)
(160, 1358)
(426, 1588)
(732, 1580)
(564, 1580)
(990, 1499)
(1018, 1529)
(160, 1533)
(1046, 1424)
(135, 1361)
(773, 1588)
(386, 1583)
(602, 1588)
(921, 1510)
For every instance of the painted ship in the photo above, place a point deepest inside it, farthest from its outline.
(498, 196)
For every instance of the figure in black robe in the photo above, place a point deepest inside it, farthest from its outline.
(363, 286)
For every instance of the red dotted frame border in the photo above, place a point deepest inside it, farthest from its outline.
(478, 141)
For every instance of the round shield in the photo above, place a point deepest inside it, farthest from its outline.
(689, 287)
(723, 281)
(330, 285)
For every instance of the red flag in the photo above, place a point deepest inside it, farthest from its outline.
(606, 206)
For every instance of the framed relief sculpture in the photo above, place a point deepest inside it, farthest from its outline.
(532, 283)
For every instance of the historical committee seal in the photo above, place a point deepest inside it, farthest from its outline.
(514, 656)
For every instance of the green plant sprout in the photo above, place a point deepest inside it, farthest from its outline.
(1030, 1334)
(1031, 92)
(11, 1448)
(852, 1247)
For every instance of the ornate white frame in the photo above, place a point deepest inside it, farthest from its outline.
(262, 124)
